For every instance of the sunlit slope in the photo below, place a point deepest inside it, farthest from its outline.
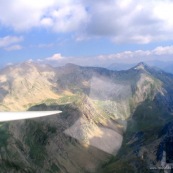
(25, 84)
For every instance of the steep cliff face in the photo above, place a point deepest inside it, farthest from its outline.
(106, 114)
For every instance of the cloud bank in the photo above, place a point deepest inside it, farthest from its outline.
(161, 53)
(127, 21)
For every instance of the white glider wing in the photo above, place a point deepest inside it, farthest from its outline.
(11, 116)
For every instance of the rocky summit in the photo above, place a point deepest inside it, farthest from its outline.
(111, 121)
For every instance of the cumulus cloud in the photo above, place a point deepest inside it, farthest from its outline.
(55, 57)
(60, 16)
(122, 21)
(131, 21)
(23, 15)
(69, 18)
(47, 22)
(167, 50)
(161, 53)
(10, 43)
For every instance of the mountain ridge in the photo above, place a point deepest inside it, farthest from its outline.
(100, 106)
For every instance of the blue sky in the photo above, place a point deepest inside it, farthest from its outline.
(86, 32)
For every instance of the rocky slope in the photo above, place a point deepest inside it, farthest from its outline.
(111, 120)
(25, 84)
(148, 134)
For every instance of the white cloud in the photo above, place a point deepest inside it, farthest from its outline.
(132, 21)
(69, 18)
(160, 53)
(47, 22)
(8, 40)
(10, 43)
(55, 57)
(167, 50)
(13, 47)
(60, 16)
(23, 14)
(127, 55)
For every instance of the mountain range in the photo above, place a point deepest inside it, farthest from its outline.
(167, 66)
(111, 121)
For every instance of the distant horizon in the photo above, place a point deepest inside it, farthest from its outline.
(159, 54)
(167, 67)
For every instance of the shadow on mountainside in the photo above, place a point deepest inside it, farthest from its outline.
(40, 145)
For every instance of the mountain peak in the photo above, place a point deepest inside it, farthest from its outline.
(140, 66)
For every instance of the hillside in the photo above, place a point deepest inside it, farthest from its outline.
(111, 121)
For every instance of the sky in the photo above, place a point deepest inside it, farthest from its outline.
(86, 32)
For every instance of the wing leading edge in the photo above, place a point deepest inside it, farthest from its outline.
(11, 116)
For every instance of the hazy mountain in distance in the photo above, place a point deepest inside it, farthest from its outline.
(166, 66)
(112, 121)
(120, 66)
